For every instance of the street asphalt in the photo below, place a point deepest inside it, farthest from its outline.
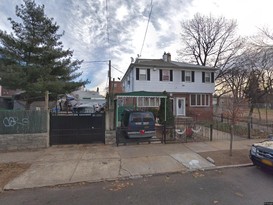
(66, 164)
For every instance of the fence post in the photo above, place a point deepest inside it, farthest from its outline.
(211, 130)
(248, 130)
(164, 132)
(117, 135)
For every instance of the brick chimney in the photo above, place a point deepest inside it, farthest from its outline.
(165, 56)
(169, 58)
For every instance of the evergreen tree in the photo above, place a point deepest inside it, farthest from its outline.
(32, 58)
(161, 112)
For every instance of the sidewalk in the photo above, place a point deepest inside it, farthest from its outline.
(91, 163)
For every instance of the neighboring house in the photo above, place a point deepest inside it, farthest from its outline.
(190, 86)
(87, 101)
(6, 100)
(116, 87)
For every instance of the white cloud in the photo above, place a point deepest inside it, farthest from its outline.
(84, 23)
(121, 13)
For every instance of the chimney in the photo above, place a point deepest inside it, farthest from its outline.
(165, 56)
(169, 59)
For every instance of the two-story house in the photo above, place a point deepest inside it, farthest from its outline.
(190, 86)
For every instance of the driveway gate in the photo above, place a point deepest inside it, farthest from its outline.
(77, 129)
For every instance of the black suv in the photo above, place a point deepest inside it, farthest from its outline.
(138, 124)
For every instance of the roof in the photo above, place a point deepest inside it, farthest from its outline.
(160, 63)
(142, 94)
(173, 64)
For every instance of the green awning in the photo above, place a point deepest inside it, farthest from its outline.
(142, 94)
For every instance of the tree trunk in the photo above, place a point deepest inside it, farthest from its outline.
(250, 113)
(259, 112)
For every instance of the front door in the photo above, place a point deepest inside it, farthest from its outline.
(180, 106)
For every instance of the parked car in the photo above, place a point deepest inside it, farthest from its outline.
(261, 154)
(138, 124)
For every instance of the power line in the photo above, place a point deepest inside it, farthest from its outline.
(146, 27)
(117, 69)
(95, 61)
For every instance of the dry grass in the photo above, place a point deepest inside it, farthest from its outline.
(9, 171)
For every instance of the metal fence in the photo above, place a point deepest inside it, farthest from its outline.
(23, 122)
(243, 128)
(121, 137)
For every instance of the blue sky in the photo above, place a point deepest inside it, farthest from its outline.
(85, 26)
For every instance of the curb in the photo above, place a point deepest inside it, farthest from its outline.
(137, 176)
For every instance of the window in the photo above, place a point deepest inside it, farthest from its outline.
(142, 74)
(208, 77)
(200, 100)
(187, 76)
(165, 75)
(148, 102)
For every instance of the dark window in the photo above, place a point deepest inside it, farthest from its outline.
(203, 77)
(148, 74)
(160, 75)
(183, 76)
(212, 77)
(137, 73)
(192, 76)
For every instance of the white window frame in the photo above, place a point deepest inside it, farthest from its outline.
(201, 100)
(207, 77)
(142, 74)
(187, 76)
(148, 102)
(166, 76)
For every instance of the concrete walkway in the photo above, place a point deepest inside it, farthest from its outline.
(77, 163)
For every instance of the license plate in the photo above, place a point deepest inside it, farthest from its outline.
(142, 132)
(267, 162)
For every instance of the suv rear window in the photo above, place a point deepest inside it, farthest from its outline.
(147, 117)
(136, 117)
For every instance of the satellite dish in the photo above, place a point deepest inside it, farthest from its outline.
(132, 59)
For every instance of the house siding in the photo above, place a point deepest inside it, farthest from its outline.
(155, 85)
(176, 87)
(201, 113)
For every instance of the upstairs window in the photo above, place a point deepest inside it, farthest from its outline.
(165, 75)
(187, 76)
(142, 74)
(208, 77)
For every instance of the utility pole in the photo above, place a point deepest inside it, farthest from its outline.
(109, 89)
(46, 100)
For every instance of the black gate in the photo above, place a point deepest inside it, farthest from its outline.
(77, 129)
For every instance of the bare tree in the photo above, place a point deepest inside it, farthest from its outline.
(260, 80)
(210, 41)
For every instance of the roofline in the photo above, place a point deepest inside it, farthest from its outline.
(172, 65)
